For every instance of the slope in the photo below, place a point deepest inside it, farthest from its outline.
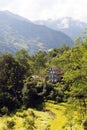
(18, 32)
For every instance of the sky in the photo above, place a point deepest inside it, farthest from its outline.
(46, 9)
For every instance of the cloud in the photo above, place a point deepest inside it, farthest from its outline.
(44, 9)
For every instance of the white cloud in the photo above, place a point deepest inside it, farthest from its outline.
(44, 9)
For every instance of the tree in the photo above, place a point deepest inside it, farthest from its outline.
(23, 58)
(75, 77)
(33, 93)
(11, 82)
(38, 62)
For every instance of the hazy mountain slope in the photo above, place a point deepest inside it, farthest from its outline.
(69, 26)
(17, 32)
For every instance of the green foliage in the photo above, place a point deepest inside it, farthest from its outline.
(10, 124)
(11, 82)
(85, 124)
(4, 110)
(73, 63)
(29, 124)
(53, 93)
(38, 62)
(23, 58)
(33, 94)
(23, 78)
(75, 76)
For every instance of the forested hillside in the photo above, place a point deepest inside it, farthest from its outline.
(25, 83)
(17, 32)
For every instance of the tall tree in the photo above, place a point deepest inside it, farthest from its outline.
(23, 58)
(11, 81)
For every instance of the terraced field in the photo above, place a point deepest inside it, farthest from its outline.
(53, 117)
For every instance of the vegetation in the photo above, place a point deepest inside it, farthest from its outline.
(53, 117)
(24, 84)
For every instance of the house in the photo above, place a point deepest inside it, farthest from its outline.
(54, 74)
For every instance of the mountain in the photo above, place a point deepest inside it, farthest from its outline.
(67, 25)
(17, 32)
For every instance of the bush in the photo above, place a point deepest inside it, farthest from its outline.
(10, 124)
(33, 94)
(29, 124)
(85, 124)
(4, 110)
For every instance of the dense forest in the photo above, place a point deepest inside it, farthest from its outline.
(25, 83)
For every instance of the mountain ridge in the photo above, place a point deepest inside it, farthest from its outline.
(18, 32)
(67, 25)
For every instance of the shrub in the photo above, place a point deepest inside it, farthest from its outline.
(85, 124)
(10, 124)
(4, 110)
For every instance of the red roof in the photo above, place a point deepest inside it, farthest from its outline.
(55, 70)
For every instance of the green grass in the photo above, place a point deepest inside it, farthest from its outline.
(66, 119)
(29, 119)
(54, 117)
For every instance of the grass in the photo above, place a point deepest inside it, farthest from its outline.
(54, 117)
(66, 119)
(29, 119)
